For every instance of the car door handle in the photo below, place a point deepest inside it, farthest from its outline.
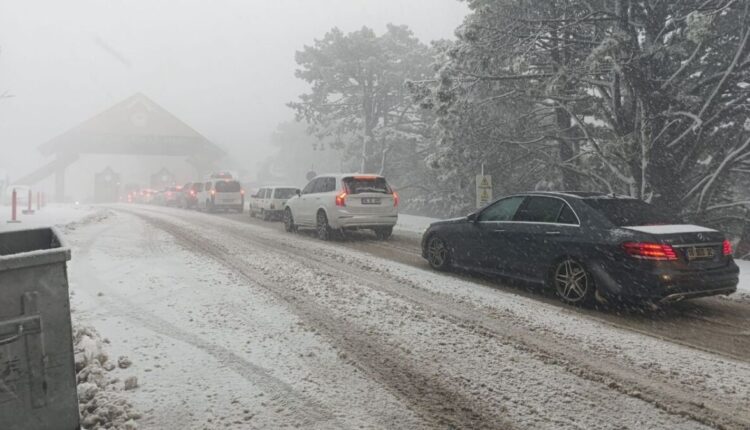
(553, 233)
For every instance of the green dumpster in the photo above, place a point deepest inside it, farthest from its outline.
(37, 372)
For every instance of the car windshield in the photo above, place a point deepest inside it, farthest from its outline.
(284, 193)
(228, 187)
(374, 184)
(630, 212)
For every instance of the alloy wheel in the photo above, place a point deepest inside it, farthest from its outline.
(288, 220)
(572, 282)
(324, 231)
(437, 253)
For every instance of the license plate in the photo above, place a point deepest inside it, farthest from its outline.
(370, 201)
(695, 253)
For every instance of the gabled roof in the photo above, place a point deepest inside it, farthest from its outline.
(136, 125)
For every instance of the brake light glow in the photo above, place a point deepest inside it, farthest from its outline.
(650, 251)
(242, 192)
(727, 247)
(341, 200)
(396, 199)
(192, 192)
(213, 192)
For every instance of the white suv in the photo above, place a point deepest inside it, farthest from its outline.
(334, 203)
(221, 194)
(269, 201)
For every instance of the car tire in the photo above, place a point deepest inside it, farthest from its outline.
(573, 283)
(438, 253)
(289, 221)
(384, 233)
(240, 209)
(252, 212)
(264, 215)
(322, 227)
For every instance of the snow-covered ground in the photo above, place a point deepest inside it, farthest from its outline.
(413, 224)
(231, 325)
(51, 215)
(211, 350)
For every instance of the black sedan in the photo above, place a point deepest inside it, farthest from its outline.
(587, 246)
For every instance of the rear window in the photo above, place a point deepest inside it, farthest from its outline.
(198, 187)
(284, 193)
(630, 212)
(358, 185)
(228, 187)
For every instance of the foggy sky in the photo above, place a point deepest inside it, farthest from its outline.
(224, 67)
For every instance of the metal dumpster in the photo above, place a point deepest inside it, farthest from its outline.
(37, 372)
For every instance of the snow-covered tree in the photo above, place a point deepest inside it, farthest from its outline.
(647, 98)
(358, 93)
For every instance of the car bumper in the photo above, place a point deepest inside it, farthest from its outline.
(228, 204)
(664, 284)
(352, 221)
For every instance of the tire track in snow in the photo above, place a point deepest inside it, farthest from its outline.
(308, 411)
(669, 397)
(724, 332)
(437, 404)
(666, 396)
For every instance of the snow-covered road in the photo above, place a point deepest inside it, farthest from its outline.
(234, 325)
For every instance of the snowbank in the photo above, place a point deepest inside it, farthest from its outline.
(413, 224)
(744, 285)
(100, 399)
(51, 215)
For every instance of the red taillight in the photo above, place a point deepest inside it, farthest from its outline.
(213, 192)
(341, 200)
(192, 192)
(396, 199)
(650, 251)
(727, 247)
(242, 192)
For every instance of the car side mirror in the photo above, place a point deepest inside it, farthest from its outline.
(472, 217)
(299, 193)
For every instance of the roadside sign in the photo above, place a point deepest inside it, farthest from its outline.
(484, 190)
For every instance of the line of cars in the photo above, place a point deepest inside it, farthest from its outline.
(586, 246)
(220, 192)
(329, 204)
